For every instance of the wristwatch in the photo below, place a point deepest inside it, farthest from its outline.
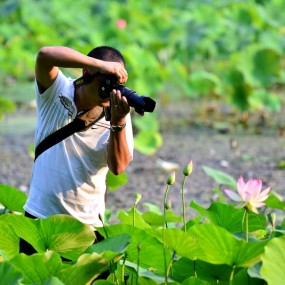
(117, 128)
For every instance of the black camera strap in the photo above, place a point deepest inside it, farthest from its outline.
(82, 122)
(58, 136)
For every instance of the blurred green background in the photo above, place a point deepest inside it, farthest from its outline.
(223, 50)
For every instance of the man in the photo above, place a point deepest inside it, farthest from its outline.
(70, 177)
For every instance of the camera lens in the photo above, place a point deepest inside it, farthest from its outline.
(141, 104)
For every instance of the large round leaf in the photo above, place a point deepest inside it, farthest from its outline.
(230, 218)
(218, 246)
(273, 261)
(114, 182)
(12, 198)
(151, 249)
(9, 275)
(147, 142)
(9, 240)
(39, 267)
(61, 233)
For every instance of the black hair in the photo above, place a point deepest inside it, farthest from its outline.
(107, 53)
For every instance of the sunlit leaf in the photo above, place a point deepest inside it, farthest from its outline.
(37, 268)
(61, 233)
(9, 275)
(114, 182)
(273, 260)
(266, 66)
(264, 100)
(275, 201)
(203, 82)
(53, 281)
(117, 243)
(9, 241)
(12, 198)
(218, 246)
(6, 106)
(221, 177)
(148, 122)
(133, 217)
(148, 142)
(230, 218)
(193, 280)
(156, 219)
(151, 249)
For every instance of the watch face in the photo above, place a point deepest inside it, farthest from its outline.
(116, 128)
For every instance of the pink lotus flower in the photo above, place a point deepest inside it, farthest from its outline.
(249, 194)
(121, 24)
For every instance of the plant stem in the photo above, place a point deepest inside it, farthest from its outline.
(134, 211)
(164, 206)
(232, 275)
(194, 268)
(138, 263)
(243, 217)
(170, 263)
(123, 268)
(164, 227)
(246, 225)
(183, 203)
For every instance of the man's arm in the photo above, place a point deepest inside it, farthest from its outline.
(119, 155)
(50, 58)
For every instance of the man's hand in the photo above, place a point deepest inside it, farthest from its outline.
(116, 68)
(119, 108)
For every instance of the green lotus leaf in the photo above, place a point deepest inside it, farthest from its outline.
(273, 261)
(230, 218)
(12, 198)
(61, 233)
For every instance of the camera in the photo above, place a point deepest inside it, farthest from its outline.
(141, 104)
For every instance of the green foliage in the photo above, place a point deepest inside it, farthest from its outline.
(115, 182)
(174, 48)
(141, 248)
(273, 258)
(220, 177)
(11, 199)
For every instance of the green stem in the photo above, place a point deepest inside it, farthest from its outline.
(194, 268)
(134, 215)
(232, 275)
(138, 263)
(243, 217)
(170, 263)
(183, 203)
(164, 206)
(164, 227)
(123, 268)
(246, 225)
(164, 255)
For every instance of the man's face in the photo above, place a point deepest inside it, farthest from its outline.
(93, 88)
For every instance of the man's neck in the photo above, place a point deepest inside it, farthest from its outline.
(82, 99)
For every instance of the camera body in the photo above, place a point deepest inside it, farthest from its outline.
(141, 104)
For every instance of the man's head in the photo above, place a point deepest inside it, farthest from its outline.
(107, 53)
(92, 83)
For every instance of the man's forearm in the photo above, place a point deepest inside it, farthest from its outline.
(65, 57)
(119, 155)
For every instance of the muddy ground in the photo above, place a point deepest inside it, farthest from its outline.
(252, 149)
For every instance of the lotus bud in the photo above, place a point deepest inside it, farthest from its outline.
(137, 197)
(272, 219)
(188, 168)
(171, 179)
